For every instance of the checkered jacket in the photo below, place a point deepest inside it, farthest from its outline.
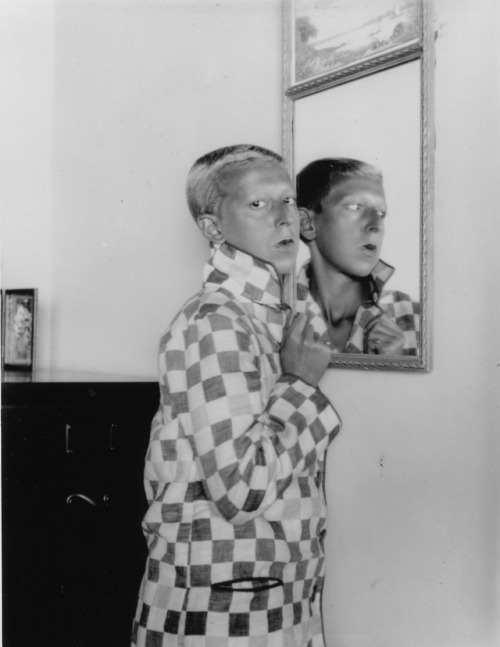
(233, 472)
(398, 306)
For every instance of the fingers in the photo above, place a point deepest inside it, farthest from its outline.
(300, 328)
(301, 332)
(383, 337)
(373, 322)
(374, 346)
(382, 327)
(298, 324)
(302, 353)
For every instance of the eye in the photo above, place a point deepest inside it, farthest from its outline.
(381, 214)
(257, 204)
(290, 200)
(354, 206)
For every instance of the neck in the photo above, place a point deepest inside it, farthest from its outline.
(338, 294)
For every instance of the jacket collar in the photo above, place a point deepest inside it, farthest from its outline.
(382, 272)
(244, 276)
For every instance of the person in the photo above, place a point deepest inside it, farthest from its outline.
(234, 469)
(342, 219)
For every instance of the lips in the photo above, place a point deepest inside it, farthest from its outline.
(285, 245)
(369, 248)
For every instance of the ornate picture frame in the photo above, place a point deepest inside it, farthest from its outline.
(341, 113)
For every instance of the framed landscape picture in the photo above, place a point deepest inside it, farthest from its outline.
(336, 40)
(19, 321)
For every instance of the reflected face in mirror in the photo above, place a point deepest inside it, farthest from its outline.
(343, 211)
(349, 231)
(258, 214)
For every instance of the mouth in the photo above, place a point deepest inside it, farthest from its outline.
(370, 248)
(285, 245)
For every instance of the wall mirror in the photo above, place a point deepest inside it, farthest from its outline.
(358, 84)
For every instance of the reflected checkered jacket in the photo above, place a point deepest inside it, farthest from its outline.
(233, 472)
(398, 306)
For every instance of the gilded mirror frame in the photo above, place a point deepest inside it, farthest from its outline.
(419, 48)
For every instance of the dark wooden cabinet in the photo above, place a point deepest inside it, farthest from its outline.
(72, 503)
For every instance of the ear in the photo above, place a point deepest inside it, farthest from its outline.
(209, 225)
(307, 225)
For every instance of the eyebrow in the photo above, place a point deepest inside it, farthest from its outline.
(359, 195)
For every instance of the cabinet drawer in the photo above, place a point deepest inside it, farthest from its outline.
(73, 500)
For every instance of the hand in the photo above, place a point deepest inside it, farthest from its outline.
(383, 337)
(301, 354)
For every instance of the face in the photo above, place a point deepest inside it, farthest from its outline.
(350, 229)
(258, 214)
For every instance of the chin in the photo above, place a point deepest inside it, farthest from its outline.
(284, 267)
(366, 270)
(358, 274)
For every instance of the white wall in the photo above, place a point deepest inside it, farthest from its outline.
(130, 93)
(111, 103)
(26, 133)
(413, 542)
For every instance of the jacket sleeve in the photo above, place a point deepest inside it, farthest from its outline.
(247, 446)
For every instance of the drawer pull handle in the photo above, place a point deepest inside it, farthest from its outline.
(87, 499)
(112, 436)
(66, 437)
(84, 497)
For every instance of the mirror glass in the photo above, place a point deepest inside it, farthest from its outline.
(337, 123)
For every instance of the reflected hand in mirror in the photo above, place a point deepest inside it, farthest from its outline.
(343, 218)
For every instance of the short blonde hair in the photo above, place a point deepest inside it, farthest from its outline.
(204, 183)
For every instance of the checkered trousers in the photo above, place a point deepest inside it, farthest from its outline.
(397, 306)
(233, 474)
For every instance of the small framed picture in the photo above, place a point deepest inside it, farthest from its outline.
(19, 327)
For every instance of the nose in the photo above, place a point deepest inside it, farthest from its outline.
(286, 215)
(374, 221)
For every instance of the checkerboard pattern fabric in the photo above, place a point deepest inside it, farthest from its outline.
(398, 306)
(233, 475)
